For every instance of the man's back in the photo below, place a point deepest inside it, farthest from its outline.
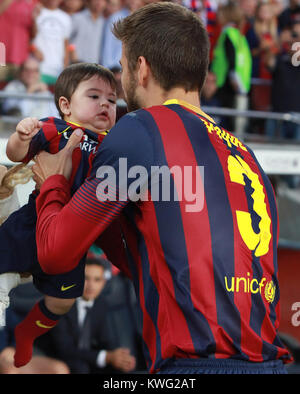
(205, 263)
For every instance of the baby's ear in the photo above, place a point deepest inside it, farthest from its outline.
(64, 105)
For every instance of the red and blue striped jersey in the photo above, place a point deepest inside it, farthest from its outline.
(53, 137)
(200, 223)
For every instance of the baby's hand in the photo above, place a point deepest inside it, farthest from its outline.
(28, 128)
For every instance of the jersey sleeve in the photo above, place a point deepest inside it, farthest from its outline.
(41, 141)
(66, 228)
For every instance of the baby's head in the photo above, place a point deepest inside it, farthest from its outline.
(85, 94)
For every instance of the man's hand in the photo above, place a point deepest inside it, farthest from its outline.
(28, 128)
(47, 164)
(121, 359)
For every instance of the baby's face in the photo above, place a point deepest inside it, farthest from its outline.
(93, 105)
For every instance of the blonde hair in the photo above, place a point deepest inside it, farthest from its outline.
(231, 13)
(19, 174)
(270, 27)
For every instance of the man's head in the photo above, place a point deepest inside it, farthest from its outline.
(85, 93)
(168, 39)
(94, 278)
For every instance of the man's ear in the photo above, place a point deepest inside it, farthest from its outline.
(143, 71)
(64, 105)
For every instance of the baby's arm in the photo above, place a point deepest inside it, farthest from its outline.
(18, 143)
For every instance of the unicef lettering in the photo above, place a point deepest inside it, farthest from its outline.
(251, 285)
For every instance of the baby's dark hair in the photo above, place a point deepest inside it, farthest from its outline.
(72, 75)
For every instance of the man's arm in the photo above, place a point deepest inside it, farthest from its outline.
(66, 228)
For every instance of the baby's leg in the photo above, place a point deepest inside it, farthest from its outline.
(42, 317)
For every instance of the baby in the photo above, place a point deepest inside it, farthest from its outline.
(85, 96)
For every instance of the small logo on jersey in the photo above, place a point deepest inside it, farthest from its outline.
(65, 130)
(64, 288)
(40, 324)
(270, 291)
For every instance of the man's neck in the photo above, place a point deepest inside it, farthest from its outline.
(159, 96)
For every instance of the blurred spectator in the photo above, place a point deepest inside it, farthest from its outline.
(112, 47)
(290, 15)
(39, 364)
(72, 6)
(112, 6)
(247, 8)
(207, 11)
(87, 31)
(52, 39)
(209, 16)
(232, 64)
(285, 87)
(278, 6)
(82, 338)
(124, 319)
(208, 95)
(17, 28)
(29, 82)
(263, 39)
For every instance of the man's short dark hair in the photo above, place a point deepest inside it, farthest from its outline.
(72, 75)
(172, 39)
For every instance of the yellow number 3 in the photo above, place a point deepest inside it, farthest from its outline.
(259, 242)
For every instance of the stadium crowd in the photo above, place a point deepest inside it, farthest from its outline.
(255, 39)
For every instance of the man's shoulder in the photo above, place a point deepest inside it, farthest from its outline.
(131, 118)
(131, 137)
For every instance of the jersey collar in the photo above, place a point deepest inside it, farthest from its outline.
(78, 125)
(189, 106)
